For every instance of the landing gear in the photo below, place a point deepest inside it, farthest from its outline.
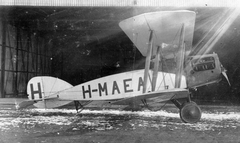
(190, 112)
(78, 106)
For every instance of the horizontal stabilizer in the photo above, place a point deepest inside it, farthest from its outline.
(50, 102)
(24, 104)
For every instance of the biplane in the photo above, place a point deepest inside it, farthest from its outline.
(165, 39)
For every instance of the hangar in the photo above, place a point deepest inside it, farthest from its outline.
(80, 41)
(24, 53)
(27, 32)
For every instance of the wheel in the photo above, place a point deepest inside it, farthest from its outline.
(190, 112)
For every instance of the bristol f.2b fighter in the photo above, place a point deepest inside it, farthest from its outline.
(165, 39)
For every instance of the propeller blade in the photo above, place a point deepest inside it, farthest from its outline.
(225, 75)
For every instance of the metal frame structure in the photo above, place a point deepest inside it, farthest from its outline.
(24, 54)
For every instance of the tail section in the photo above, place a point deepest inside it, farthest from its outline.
(42, 87)
(43, 90)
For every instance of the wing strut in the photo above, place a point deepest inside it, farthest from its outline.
(156, 66)
(147, 62)
(180, 58)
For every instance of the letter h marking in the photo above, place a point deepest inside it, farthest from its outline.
(39, 91)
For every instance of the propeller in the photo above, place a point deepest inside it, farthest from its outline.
(224, 73)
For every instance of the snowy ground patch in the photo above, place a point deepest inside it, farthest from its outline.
(113, 119)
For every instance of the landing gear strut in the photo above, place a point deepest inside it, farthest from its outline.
(190, 112)
(78, 106)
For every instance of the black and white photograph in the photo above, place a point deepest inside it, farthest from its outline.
(119, 71)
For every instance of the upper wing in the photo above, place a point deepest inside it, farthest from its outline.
(160, 96)
(166, 26)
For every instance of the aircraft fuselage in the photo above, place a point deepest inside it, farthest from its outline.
(118, 86)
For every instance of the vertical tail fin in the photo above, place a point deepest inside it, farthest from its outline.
(42, 87)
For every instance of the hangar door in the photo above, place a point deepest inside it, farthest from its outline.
(24, 54)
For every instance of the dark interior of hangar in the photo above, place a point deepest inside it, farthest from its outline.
(86, 43)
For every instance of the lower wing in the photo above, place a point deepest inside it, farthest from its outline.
(157, 96)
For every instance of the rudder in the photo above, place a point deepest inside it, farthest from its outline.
(42, 87)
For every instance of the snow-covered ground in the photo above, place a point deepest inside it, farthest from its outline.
(113, 119)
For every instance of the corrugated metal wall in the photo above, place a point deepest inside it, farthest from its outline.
(23, 55)
(74, 3)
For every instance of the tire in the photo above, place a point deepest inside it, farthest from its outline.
(190, 112)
